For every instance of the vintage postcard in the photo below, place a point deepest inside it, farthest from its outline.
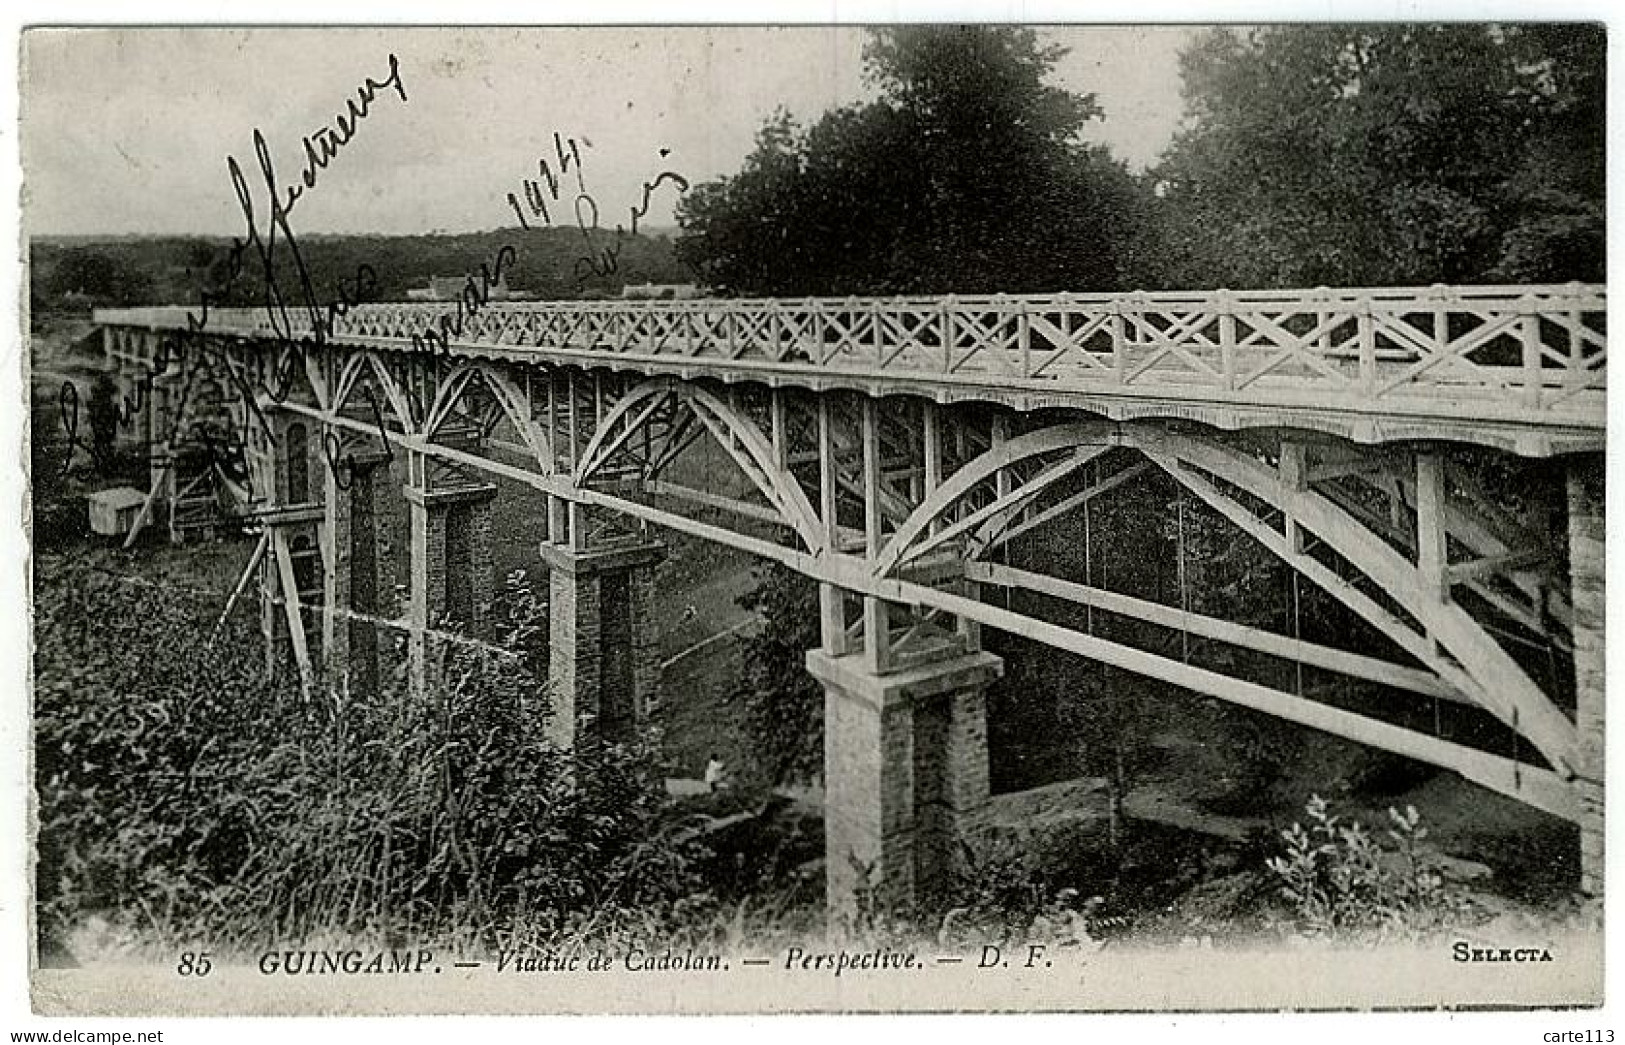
(758, 519)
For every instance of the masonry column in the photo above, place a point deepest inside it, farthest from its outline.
(158, 423)
(1586, 571)
(469, 573)
(443, 539)
(378, 497)
(280, 623)
(603, 646)
(134, 430)
(338, 513)
(364, 572)
(905, 763)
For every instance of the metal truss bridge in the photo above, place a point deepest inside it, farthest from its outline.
(913, 456)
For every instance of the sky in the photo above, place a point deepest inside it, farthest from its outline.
(127, 131)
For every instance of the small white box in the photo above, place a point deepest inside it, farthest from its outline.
(113, 512)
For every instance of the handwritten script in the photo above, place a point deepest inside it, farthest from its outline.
(301, 318)
(542, 195)
(276, 250)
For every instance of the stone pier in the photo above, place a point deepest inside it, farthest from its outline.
(338, 515)
(1587, 525)
(905, 763)
(603, 645)
(362, 515)
(450, 532)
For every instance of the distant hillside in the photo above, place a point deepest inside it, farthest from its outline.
(76, 273)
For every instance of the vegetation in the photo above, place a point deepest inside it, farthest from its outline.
(966, 175)
(1339, 876)
(78, 274)
(1388, 155)
(784, 706)
(1002, 895)
(181, 794)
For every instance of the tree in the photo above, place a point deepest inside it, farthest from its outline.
(96, 276)
(1382, 155)
(784, 706)
(966, 175)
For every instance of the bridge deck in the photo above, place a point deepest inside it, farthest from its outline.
(1519, 366)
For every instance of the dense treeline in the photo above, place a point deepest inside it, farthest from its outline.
(967, 175)
(1310, 155)
(82, 273)
(1388, 155)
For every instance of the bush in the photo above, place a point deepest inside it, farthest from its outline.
(1340, 877)
(997, 894)
(998, 897)
(182, 791)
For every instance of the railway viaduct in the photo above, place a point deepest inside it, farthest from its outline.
(894, 450)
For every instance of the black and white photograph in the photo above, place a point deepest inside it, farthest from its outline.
(907, 517)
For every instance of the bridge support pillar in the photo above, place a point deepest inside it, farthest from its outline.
(135, 429)
(451, 571)
(364, 528)
(338, 513)
(157, 423)
(905, 763)
(603, 646)
(1586, 531)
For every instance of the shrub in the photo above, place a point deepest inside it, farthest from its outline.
(1339, 876)
(182, 790)
(998, 897)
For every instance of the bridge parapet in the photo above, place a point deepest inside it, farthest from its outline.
(1373, 364)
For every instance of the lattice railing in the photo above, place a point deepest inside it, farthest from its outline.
(1541, 348)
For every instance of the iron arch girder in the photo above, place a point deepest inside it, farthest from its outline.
(1532, 588)
(988, 464)
(283, 371)
(1496, 680)
(776, 484)
(447, 395)
(1540, 788)
(604, 441)
(780, 488)
(993, 517)
(349, 373)
(1008, 526)
(291, 373)
(514, 404)
(350, 379)
(316, 367)
(1474, 662)
(1417, 644)
(1480, 528)
(852, 572)
(507, 398)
